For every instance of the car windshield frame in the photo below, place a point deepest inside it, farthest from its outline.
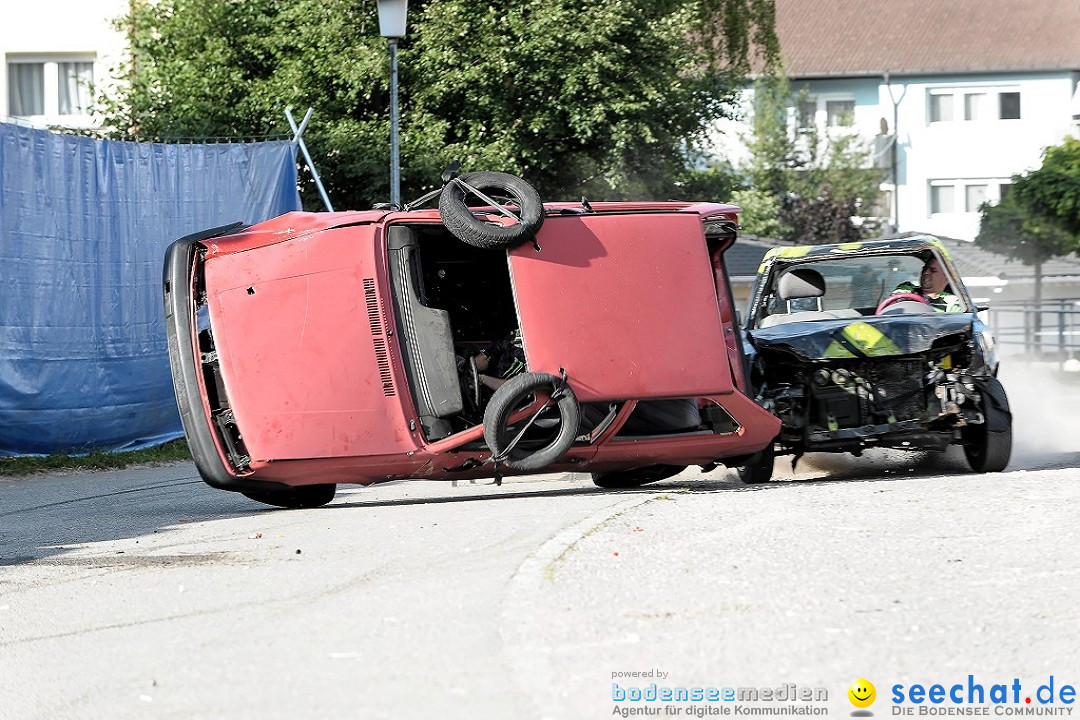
(841, 266)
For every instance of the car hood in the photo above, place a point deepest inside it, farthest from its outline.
(870, 336)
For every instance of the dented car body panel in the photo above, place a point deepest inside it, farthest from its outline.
(321, 348)
(906, 335)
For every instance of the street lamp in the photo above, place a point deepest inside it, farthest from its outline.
(392, 27)
(894, 150)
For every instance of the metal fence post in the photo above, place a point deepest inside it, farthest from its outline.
(1061, 328)
(298, 137)
(1028, 332)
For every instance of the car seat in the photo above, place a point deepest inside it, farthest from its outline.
(426, 337)
(799, 284)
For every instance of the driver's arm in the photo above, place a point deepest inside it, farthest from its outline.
(953, 303)
(482, 361)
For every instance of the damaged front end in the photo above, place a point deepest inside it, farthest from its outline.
(910, 382)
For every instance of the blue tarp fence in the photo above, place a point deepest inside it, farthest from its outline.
(84, 224)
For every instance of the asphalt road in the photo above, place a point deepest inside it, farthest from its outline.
(145, 594)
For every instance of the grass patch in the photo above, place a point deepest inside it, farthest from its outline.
(169, 452)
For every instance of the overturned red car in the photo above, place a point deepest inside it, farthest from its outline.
(324, 348)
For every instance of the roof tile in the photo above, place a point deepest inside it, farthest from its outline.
(864, 37)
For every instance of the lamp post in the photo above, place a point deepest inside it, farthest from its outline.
(894, 150)
(392, 27)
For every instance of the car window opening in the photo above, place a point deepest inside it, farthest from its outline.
(851, 288)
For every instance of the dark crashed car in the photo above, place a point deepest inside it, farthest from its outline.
(848, 363)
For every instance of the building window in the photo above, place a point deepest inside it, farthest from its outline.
(975, 106)
(837, 111)
(1010, 105)
(840, 113)
(806, 114)
(978, 105)
(974, 196)
(50, 87)
(941, 108)
(941, 199)
(26, 89)
(945, 195)
(75, 80)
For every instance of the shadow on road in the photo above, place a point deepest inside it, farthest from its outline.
(42, 517)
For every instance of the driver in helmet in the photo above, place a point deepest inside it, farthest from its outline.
(934, 286)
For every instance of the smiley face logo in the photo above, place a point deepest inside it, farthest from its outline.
(862, 693)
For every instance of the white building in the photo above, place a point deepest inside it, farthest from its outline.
(55, 52)
(972, 90)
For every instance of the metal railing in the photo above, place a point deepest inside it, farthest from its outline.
(1050, 329)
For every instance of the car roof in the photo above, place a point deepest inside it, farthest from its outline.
(914, 245)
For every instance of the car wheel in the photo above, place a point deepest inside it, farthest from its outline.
(637, 477)
(511, 193)
(304, 496)
(758, 469)
(543, 436)
(988, 446)
(988, 451)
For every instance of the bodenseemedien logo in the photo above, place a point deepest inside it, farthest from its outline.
(862, 694)
(699, 701)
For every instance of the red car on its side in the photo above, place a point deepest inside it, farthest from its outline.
(323, 348)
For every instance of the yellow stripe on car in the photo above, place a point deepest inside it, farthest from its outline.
(866, 338)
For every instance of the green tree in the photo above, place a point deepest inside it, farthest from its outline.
(819, 181)
(760, 213)
(819, 219)
(771, 143)
(609, 99)
(1039, 218)
(705, 180)
(1012, 230)
(1053, 191)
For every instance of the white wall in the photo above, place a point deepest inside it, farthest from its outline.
(61, 29)
(984, 152)
(977, 151)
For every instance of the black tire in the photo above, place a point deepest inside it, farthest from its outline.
(621, 479)
(759, 468)
(304, 496)
(988, 447)
(988, 451)
(545, 441)
(460, 221)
